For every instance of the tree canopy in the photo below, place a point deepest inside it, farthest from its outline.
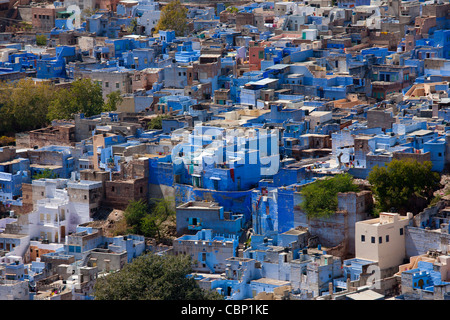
(232, 9)
(156, 122)
(153, 277)
(401, 182)
(41, 39)
(146, 219)
(113, 100)
(28, 105)
(173, 17)
(45, 174)
(134, 213)
(320, 197)
(133, 26)
(24, 105)
(83, 96)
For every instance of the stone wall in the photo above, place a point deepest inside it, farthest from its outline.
(119, 193)
(61, 135)
(14, 290)
(420, 241)
(340, 228)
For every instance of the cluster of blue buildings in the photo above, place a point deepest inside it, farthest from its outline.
(254, 104)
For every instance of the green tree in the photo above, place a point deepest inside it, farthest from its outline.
(41, 39)
(161, 210)
(27, 26)
(45, 174)
(83, 96)
(24, 105)
(153, 277)
(156, 122)
(173, 17)
(7, 141)
(133, 25)
(113, 100)
(401, 183)
(232, 9)
(148, 220)
(320, 197)
(134, 213)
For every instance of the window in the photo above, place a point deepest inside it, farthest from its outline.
(363, 238)
(387, 238)
(373, 239)
(117, 85)
(380, 239)
(401, 231)
(106, 84)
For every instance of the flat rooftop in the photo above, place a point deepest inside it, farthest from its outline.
(295, 232)
(199, 205)
(365, 295)
(12, 236)
(272, 282)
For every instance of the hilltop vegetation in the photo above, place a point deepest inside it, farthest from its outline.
(28, 105)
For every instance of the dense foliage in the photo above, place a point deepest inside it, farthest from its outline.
(320, 197)
(41, 39)
(26, 105)
(173, 17)
(401, 183)
(156, 122)
(146, 219)
(45, 174)
(83, 96)
(232, 9)
(153, 277)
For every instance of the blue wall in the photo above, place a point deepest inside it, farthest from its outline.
(233, 201)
